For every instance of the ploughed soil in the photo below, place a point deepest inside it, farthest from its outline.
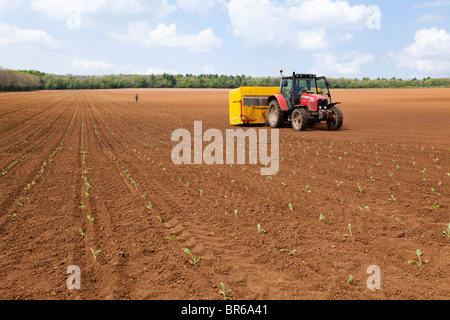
(84, 171)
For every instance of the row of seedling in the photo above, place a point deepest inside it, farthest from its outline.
(41, 171)
(38, 146)
(86, 185)
(126, 172)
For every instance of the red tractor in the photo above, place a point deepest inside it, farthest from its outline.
(304, 100)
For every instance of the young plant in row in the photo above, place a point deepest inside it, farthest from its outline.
(447, 232)
(418, 261)
(290, 252)
(95, 253)
(260, 229)
(224, 291)
(194, 259)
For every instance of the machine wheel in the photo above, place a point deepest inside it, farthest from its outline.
(336, 121)
(275, 117)
(299, 119)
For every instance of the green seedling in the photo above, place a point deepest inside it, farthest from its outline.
(291, 252)
(90, 219)
(433, 190)
(321, 217)
(86, 193)
(95, 253)
(290, 206)
(350, 230)
(260, 230)
(350, 279)
(82, 233)
(338, 183)
(435, 206)
(194, 259)
(201, 191)
(149, 206)
(235, 212)
(159, 218)
(447, 232)
(360, 188)
(284, 184)
(217, 203)
(306, 189)
(19, 203)
(224, 291)
(15, 215)
(418, 253)
(82, 206)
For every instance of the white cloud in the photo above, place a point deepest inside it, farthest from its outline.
(331, 14)
(262, 22)
(90, 65)
(348, 64)
(203, 7)
(430, 52)
(12, 35)
(6, 5)
(432, 4)
(311, 39)
(61, 10)
(167, 36)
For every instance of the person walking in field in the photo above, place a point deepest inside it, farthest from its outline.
(137, 97)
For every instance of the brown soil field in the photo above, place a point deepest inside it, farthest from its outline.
(84, 171)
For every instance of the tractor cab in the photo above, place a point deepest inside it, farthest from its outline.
(300, 87)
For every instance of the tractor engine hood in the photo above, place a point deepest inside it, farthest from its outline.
(314, 102)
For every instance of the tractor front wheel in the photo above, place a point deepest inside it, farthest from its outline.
(275, 117)
(299, 119)
(336, 121)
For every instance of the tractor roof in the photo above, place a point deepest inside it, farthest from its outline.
(296, 75)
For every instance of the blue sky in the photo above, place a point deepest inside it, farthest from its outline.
(336, 38)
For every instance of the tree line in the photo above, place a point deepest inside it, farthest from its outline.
(25, 80)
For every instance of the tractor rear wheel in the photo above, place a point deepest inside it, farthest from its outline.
(275, 117)
(336, 121)
(299, 119)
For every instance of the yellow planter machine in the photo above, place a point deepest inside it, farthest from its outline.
(302, 100)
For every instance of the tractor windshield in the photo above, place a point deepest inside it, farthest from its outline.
(303, 85)
(322, 87)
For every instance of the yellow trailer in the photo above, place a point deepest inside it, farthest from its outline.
(248, 105)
